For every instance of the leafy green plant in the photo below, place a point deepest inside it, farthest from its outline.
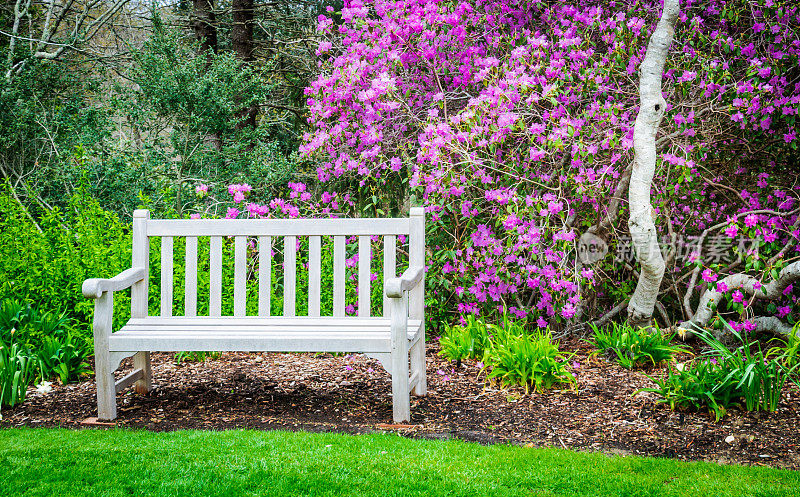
(12, 314)
(468, 341)
(529, 360)
(790, 351)
(16, 372)
(702, 383)
(761, 376)
(195, 356)
(634, 346)
(745, 376)
(64, 356)
(22, 323)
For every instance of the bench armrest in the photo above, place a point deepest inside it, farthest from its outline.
(94, 288)
(410, 278)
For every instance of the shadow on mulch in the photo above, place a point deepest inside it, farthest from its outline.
(351, 394)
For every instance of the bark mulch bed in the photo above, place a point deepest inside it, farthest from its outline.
(323, 392)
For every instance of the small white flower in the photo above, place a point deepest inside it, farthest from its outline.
(680, 366)
(44, 387)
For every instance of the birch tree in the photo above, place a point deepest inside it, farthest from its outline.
(641, 221)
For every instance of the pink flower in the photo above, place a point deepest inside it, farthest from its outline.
(201, 190)
(709, 276)
(194, 216)
(722, 287)
(732, 231)
(232, 213)
(737, 296)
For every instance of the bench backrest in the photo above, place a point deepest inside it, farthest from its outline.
(265, 234)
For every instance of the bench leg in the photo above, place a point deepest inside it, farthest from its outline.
(142, 361)
(418, 368)
(401, 403)
(106, 388)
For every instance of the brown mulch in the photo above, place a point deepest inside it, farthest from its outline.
(323, 392)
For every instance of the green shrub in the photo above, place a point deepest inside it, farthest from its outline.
(745, 376)
(634, 347)
(465, 342)
(517, 357)
(47, 268)
(16, 373)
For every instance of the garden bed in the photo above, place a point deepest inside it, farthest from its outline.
(323, 392)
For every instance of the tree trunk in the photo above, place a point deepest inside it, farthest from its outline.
(203, 24)
(242, 41)
(641, 222)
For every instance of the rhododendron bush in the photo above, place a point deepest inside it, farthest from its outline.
(512, 122)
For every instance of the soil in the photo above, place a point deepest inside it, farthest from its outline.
(325, 392)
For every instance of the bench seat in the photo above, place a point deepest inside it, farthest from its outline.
(273, 334)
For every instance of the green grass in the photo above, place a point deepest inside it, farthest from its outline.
(42, 462)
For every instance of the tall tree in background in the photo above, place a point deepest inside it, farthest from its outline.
(203, 22)
(242, 14)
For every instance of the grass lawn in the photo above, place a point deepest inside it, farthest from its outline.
(46, 462)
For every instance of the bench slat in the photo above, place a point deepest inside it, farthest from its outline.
(215, 277)
(278, 342)
(234, 326)
(240, 276)
(338, 275)
(389, 267)
(364, 260)
(264, 274)
(166, 276)
(190, 293)
(289, 274)
(277, 227)
(223, 321)
(140, 258)
(416, 257)
(314, 274)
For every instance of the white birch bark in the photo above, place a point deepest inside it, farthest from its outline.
(749, 286)
(641, 222)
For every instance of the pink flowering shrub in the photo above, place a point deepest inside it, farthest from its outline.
(511, 121)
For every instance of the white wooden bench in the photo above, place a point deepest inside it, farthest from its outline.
(391, 339)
